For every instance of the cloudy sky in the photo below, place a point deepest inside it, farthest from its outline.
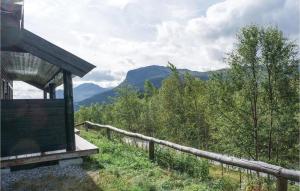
(120, 35)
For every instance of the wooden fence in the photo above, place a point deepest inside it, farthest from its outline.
(31, 126)
(282, 174)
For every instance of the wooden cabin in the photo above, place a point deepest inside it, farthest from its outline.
(37, 130)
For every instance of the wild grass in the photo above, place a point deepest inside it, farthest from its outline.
(124, 167)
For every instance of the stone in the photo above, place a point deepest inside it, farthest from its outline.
(70, 162)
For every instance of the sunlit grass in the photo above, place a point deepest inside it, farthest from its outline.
(119, 166)
(123, 167)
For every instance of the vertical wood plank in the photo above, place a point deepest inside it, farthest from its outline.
(282, 184)
(151, 150)
(69, 111)
(42, 122)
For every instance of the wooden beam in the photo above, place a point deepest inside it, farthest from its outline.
(54, 54)
(45, 94)
(52, 92)
(258, 166)
(69, 110)
(52, 77)
(35, 84)
(36, 51)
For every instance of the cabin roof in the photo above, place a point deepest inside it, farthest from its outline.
(27, 57)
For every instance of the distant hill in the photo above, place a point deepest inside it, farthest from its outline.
(137, 77)
(83, 91)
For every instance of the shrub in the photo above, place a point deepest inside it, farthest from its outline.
(224, 184)
(184, 163)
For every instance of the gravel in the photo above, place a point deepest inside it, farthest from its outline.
(9, 179)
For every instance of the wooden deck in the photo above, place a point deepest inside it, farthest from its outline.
(83, 148)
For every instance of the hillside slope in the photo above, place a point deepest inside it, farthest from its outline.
(125, 167)
(120, 166)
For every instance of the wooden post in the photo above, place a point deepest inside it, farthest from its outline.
(151, 150)
(281, 184)
(52, 91)
(108, 132)
(240, 171)
(69, 111)
(86, 126)
(285, 174)
(45, 94)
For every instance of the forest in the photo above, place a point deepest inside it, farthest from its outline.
(249, 110)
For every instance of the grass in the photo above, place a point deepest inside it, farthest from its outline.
(121, 167)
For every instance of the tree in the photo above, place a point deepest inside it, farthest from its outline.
(149, 120)
(246, 71)
(256, 101)
(249, 110)
(279, 58)
(127, 108)
(171, 104)
(197, 130)
(149, 89)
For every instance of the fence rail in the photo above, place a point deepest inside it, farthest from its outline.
(282, 174)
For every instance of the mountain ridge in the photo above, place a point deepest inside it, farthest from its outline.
(136, 78)
(83, 91)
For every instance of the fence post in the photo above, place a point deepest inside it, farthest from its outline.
(240, 171)
(108, 132)
(281, 184)
(151, 150)
(86, 126)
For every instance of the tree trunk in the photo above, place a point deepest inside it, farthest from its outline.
(254, 110)
(271, 113)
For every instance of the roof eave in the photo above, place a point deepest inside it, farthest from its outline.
(53, 54)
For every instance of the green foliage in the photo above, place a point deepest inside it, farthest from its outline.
(250, 110)
(224, 184)
(183, 163)
(257, 103)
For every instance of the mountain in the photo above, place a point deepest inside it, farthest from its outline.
(83, 91)
(137, 77)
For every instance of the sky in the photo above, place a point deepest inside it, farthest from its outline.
(120, 35)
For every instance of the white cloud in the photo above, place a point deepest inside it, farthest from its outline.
(22, 90)
(119, 35)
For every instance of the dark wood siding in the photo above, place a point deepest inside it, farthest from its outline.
(29, 126)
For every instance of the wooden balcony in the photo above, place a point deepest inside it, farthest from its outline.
(83, 148)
